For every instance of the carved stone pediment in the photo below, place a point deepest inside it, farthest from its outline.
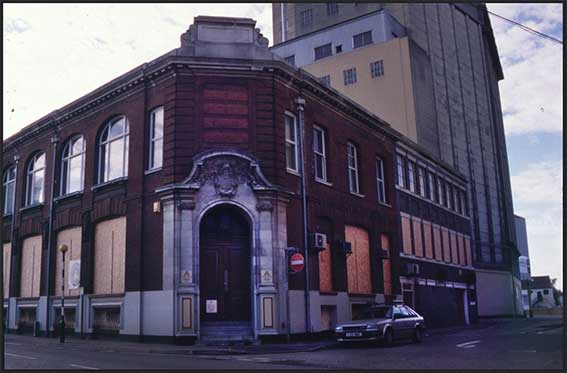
(226, 172)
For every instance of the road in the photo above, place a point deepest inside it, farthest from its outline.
(507, 344)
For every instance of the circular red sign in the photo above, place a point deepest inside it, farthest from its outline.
(297, 262)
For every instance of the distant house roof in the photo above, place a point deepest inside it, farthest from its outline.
(541, 282)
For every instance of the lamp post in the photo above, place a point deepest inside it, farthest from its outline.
(63, 248)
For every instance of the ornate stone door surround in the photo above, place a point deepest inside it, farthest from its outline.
(225, 177)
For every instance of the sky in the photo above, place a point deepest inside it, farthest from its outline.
(55, 53)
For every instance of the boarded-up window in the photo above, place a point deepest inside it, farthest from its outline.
(358, 263)
(325, 270)
(454, 249)
(7, 257)
(31, 267)
(110, 256)
(427, 240)
(446, 245)
(406, 235)
(71, 238)
(437, 242)
(417, 241)
(387, 265)
(462, 258)
(468, 250)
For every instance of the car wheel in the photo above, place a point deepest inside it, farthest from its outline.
(417, 335)
(388, 339)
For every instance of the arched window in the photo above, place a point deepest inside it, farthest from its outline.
(35, 179)
(9, 182)
(113, 150)
(156, 138)
(72, 166)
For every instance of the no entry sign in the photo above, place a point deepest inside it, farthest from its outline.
(296, 262)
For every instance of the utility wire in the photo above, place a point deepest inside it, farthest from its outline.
(528, 29)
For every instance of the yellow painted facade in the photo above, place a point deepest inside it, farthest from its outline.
(383, 95)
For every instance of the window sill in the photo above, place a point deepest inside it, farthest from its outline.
(31, 207)
(384, 204)
(118, 180)
(152, 170)
(68, 196)
(7, 215)
(324, 182)
(289, 171)
(357, 194)
(328, 293)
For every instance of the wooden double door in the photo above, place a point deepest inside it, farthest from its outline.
(225, 265)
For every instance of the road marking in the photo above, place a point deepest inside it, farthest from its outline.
(468, 344)
(12, 343)
(22, 356)
(83, 367)
(523, 351)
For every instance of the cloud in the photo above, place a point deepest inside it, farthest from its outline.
(532, 89)
(538, 194)
(15, 25)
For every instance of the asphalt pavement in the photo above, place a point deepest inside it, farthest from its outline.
(536, 344)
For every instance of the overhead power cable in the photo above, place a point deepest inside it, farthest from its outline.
(528, 29)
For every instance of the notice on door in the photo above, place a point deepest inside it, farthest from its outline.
(211, 306)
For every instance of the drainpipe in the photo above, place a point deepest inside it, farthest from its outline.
(300, 114)
(54, 141)
(16, 160)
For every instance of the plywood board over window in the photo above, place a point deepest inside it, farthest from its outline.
(417, 241)
(325, 270)
(358, 263)
(460, 242)
(446, 245)
(406, 235)
(72, 238)
(454, 248)
(468, 250)
(31, 267)
(427, 242)
(437, 242)
(7, 257)
(110, 256)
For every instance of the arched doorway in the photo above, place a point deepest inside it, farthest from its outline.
(225, 265)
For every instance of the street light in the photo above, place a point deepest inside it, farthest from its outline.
(63, 248)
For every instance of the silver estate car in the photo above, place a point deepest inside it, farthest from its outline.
(382, 323)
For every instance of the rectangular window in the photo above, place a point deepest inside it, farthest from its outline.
(319, 155)
(326, 80)
(291, 150)
(411, 176)
(377, 68)
(440, 191)
(323, 51)
(307, 17)
(362, 39)
(156, 138)
(431, 188)
(352, 168)
(380, 184)
(464, 202)
(421, 180)
(290, 59)
(349, 76)
(332, 9)
(456, 200)
(400, 167)
(448, 199)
